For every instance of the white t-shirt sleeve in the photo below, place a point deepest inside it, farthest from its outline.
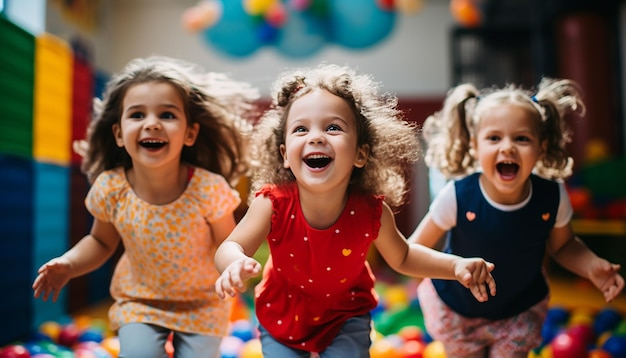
(565, 211)
(443, 208)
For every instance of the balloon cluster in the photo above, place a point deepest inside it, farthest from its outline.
(296, 28)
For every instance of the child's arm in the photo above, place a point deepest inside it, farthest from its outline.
(87, 255)
(427, 233)
(233, 258)
(221, 228)
(420, 261)
(571, 253)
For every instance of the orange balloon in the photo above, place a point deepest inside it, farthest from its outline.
(465, 12)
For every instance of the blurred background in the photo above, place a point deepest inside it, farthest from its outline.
(56, 55)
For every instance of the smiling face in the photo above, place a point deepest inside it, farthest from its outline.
(153, 127)
(508, 145)
(321, 142)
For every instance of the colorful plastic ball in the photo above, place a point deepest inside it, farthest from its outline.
(616, 346)
(82, 322)
(231, 346)
(396, 297)
(84, 353)
(435, 349)
(620, 330)
(111, 345)
(599, 353)
(69, 335)
(582, 332)
(557, 316)
(242, 329)
(582, 316)
(91, 335)
(566, 346)
(549, 331)
(43, 355)
(14, 351)
(384, 348)
(466, 12)
(411, 333)
(412, 349)
(252, 349)
(606, 320)
(51, 329)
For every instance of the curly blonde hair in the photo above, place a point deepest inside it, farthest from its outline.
(393, 142)
(220, 105)
(448, 132)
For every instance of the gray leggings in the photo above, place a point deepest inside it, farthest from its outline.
(352, 341)
(141, 340)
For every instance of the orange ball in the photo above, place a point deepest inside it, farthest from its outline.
(599, 353)
(111, 345)
(465, 12)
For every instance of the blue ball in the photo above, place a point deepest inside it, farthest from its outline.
(557, 316)
(616, 345)
(242, 329)
(606, 320)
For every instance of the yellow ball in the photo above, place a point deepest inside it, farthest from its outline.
(396, 297)
(383, 348)
(252, 349)
(546, 352)
(435, 349)
(51, 329)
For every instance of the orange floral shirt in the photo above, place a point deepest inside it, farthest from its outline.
(166, 275)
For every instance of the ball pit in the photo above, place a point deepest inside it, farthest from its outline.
(398, 332)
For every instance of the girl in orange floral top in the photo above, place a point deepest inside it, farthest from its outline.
(165, 145)
(331, 159)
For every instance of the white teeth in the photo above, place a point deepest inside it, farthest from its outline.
(152, 141)
(317, 156)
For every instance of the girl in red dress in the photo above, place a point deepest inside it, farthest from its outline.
(330, 159)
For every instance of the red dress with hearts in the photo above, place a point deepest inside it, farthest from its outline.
(316, 279)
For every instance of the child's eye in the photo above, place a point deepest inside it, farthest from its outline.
(300, 129)
(523, 138)
(333, 127)
(168, 115)
(137, 115)
(493, 138)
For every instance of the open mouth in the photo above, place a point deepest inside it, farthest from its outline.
(152, 144)
(507, 170)
(317, 161)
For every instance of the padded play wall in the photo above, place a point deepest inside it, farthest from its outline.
(46, 93)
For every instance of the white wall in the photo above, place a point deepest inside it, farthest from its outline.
(412, 62)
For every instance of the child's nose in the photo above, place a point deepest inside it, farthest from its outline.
(152, 122)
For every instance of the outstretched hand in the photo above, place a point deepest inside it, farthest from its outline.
(605, 276)
(234, 276)
(51, 278)
(475, 274)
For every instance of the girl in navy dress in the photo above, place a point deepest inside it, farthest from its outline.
(506, 151)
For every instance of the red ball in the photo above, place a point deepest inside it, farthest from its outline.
(412, 349)
(69, 335)
(566, 346)
(583, 333)
(14, 351)
(411, 333)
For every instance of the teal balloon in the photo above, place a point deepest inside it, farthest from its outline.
(303, 35)
(359, 24)
(235, 34)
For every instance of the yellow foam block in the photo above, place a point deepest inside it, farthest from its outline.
(53, 100)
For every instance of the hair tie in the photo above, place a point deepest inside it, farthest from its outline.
(534, 99)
